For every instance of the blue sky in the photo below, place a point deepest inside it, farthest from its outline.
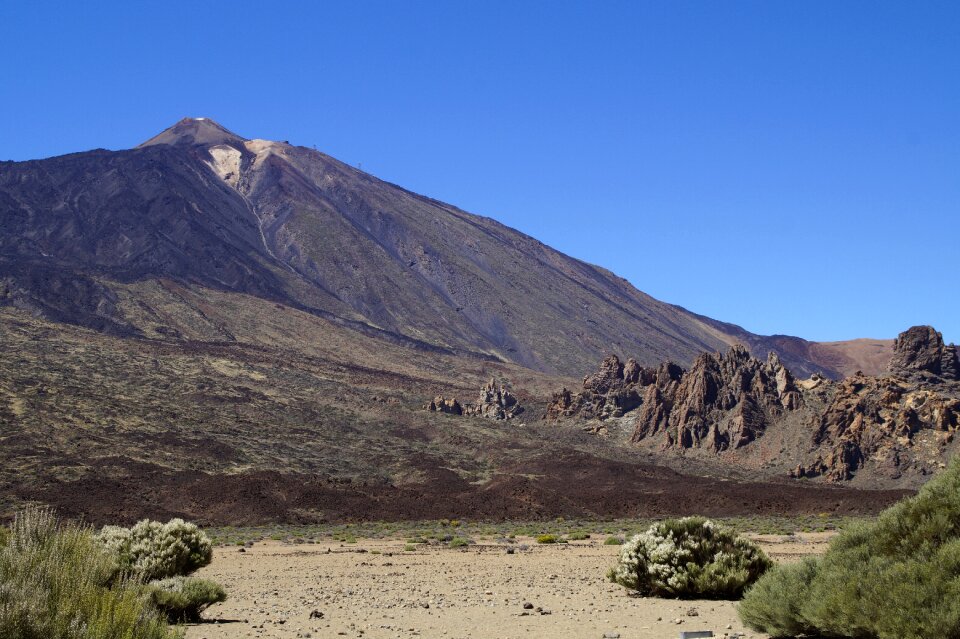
(791, 167)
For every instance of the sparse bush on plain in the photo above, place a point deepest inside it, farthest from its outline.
(184, 598)
(613, 541)
(4, 536)
(689, 557)
(459, 542)
(895, 578)
(152, 550)
(546, 539)
(58, 582)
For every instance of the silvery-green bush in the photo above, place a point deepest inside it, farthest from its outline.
(57, 582)
(151, 550)
(184, 598)
(689, 557)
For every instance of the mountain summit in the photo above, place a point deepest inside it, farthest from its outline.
(195, 131)
(86, 234)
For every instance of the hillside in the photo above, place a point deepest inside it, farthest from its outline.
(315, 422)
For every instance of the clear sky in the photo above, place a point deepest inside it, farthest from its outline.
(791, 167)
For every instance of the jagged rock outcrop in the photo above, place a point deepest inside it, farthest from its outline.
(442, 405)
(921, 350)
(880, 419)
(723, 401)
(727, 406)
(614, 390)
(494, 402)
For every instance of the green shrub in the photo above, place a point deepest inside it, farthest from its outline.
(613, 541)
(184, 598)
(152, 550)
(578, 536)
(894, 578)
(546, 539)
(459, 542)
(4, 536)
(773, 603)
(57, 582)
(689, 557)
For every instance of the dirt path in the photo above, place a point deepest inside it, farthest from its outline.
(478, 592)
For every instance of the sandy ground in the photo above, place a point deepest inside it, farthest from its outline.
(478, 592)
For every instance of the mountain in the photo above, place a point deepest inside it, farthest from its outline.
(242, 331)
(87, 234)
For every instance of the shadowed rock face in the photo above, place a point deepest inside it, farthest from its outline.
(723, 401)
(898, 426)
(612, 391)
(203, 206)
(921, 350)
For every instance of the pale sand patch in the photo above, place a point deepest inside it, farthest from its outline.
(476, 593)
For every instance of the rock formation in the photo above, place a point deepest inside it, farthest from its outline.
(442, 405)
(883, 419)
(494, 402)
(899, 423)
(614, 390)
(920, 350)
(723, 401)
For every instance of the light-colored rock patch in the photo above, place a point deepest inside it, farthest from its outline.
(226, 163)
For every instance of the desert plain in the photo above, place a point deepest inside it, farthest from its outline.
(380, 589)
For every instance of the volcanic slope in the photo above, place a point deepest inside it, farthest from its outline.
(314, 422)
(203, 207)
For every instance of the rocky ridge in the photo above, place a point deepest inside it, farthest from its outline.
(726, 405)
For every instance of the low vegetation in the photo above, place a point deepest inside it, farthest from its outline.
(689, 557)
(184, 598)
(434, 531)
(58, 582)
(895, 578)
(153, 550)
(163, 556)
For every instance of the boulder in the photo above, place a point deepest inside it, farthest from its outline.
(920, 349)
